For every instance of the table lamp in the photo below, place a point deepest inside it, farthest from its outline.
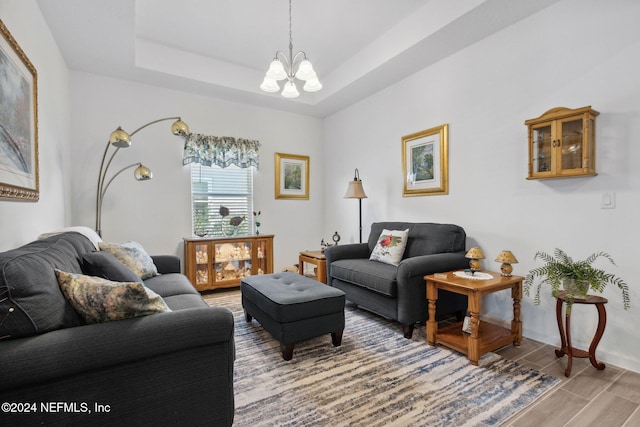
(475, 255)
(506, 258)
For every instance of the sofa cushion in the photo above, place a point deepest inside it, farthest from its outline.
(390, 246)
(98, 300)
(103, 264)
(170, 284)
(133, 255)
(373, 275)
(29, 290)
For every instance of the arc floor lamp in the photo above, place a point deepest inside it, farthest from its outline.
(356, 191)
(121, 139)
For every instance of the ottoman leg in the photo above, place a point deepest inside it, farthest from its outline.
(336, 338)
(247, 316)
(287, 351)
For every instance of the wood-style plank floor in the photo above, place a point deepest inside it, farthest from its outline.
(589, 397)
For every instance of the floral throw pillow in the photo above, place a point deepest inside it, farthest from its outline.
(390, 246)
(99, 300)
(133, 255)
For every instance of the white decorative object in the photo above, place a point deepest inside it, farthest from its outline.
(478, 275)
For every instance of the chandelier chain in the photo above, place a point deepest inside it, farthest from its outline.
(290, 32)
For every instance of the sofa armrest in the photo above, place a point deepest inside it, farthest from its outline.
(73, 351)
(412, 295)
(167, 263)
(421, 266)
(350, 251)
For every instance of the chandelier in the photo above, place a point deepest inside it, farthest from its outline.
(290, 68)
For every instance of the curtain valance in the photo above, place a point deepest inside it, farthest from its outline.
(222, 151)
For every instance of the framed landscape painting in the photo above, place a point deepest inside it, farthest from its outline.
(292, 176)
(425, 158)
(18, 122)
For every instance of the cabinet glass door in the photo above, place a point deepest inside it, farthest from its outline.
(542, 146)
(572, 144)
(232, 260)
(202, 264)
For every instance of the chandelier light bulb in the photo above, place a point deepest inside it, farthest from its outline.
(270, 85)
(290, 90)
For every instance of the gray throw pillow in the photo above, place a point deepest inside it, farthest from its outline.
(103, 264)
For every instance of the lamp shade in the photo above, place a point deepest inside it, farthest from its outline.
(270, 85)
(312, 85)
(506, 256)
(142, 173)
(355, 190)
(290, 90)
(305, 70)
(179, 128)
(475, 253)
(276, 70)
(120, 138)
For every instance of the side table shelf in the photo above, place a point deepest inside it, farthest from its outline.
(565, 333)
(484, 336)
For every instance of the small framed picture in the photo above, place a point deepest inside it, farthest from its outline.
(425, 158)
(292, 176)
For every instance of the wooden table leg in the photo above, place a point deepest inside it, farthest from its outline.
(563, 342)
(602, 323)
(474, 338)
(516, 323)
(569, 349)
(432, 325)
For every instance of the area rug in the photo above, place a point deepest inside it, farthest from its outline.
(375, 378)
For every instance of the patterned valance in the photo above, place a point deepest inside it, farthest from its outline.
(222, 151)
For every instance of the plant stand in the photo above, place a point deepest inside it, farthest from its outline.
(565, 334)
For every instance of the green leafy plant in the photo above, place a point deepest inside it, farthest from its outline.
(560, 268)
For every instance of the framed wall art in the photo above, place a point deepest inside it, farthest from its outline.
(425, 158)
(18, 122)
(292, 176)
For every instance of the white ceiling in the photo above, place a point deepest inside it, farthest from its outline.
(222, 48)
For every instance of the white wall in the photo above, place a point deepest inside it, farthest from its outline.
(573, 54)
(21, 222)
(157, 213)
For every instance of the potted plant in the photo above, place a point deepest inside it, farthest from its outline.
(576, 277)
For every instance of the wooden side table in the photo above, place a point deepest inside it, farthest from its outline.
(485, 336)
(565, 335)
(317, 258)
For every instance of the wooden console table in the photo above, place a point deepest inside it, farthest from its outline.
(565, 335)
(485, 336)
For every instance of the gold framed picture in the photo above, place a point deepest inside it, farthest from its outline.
(292, 176)
(18, 122)
(425, 158)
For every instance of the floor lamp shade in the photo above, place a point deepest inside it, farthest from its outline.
(356, 191)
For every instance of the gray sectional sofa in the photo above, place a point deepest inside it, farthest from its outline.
(399, 292)
(170, 368)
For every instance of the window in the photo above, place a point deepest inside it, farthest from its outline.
(213, 187)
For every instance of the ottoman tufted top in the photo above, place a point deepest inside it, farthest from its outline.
(288, 297)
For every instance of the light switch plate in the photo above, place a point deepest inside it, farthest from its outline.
(608, 200)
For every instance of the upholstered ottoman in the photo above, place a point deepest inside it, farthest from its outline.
(293, 308)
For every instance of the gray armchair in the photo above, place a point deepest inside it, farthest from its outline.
(399, 292)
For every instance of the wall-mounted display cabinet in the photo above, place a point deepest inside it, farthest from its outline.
(562, 143)
(222, 262)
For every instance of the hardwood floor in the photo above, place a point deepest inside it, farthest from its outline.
(589, 397)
